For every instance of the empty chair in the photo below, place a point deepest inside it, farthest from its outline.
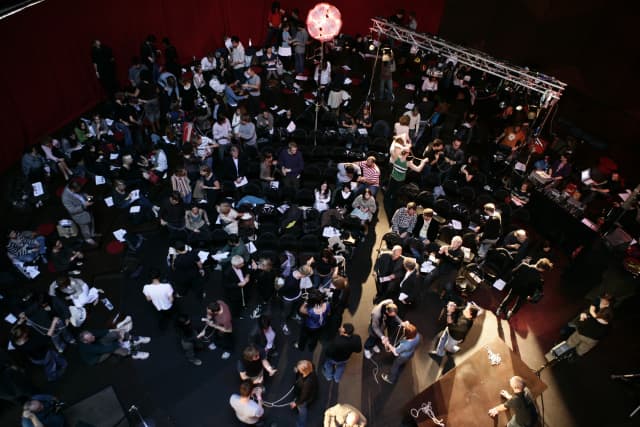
(443, 208)
(310, 243)
(305, 197)
(425, 199)
(467, 195)
(288, 242)
(267, 242)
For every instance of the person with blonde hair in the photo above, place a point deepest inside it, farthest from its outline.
(305, 390)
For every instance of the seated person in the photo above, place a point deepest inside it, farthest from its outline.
(424, 235)
(347, 172)
(450, 259)
(197, 223)
(75, 290)
(404, 220)
(520, 196)
(26, 246)
(517, 243)
(364, 207)
(343, 198)
(42, 410)
(65, 258)
(123, 199)
(228, 217)
(97, 345)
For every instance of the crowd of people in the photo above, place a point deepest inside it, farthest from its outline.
(197, 150)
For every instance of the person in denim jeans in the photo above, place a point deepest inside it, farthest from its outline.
(305, 390)
(38, 350)
(339, 351)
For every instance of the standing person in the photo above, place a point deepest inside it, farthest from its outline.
(339, 351)
(299, 43)
(235, 278)
(253, 364)
(490, 230)
(521, 404)
(405, 293)
(263, 336)
(161, 296)
(388, 270)
(384, 320)
(400, 165)
(274, 24)
(525, 281)
(77, 204)
(218, 319)
(386, 75)
(189, 341)
(403, 352)
(248, 404)
(459, 322)
(290, 294)
(187, 271)
(305, 390)
(316, 311)
(237, 59)
(291, 165)
(105, 66)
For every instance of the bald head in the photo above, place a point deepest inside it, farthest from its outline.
(517, 383)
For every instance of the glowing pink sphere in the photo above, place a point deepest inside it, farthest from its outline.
(324, 22)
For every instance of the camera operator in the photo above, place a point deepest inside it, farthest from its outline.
(248, 404)
(42, 410)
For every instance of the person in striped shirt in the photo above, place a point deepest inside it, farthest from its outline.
(26, 246)
(370, 177)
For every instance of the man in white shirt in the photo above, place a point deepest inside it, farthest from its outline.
(222, 134)
(208, 64)
(161, 296)
(248, 404)
(236, 60)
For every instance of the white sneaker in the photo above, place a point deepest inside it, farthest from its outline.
(140, 355)
(141, 340)
(455, 349)
(376, 349)
(225, 355)
(367, 354)
(212, 346)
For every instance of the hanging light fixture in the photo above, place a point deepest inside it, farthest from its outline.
(324, 22)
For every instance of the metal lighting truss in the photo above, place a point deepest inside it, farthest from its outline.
(549, 88)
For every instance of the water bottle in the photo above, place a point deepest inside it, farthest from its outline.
(107, 304)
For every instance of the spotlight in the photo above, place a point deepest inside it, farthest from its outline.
(518, 107)
(372, 47)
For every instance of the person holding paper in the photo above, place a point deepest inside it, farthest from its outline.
(77, 204)
(291, 165)
(404, 292)
(458, 324)
(450, 259)
(235, 167)
(122, 199)
(388, 268)
(424, 235)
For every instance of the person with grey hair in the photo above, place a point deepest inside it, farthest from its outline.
(388, 270)
(520, 403)
(235, 278)
(450, 259)
(96, 346)
(77, 204)
(344, 415)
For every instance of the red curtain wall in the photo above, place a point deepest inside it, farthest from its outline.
(47, 78)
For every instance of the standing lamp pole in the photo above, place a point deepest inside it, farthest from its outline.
(323, 24)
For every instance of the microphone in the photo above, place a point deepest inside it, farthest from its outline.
(624, 377)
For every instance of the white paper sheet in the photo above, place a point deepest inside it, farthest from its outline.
(11, 318)
(291, 127)
(499, 284)
(119, 234)
(134, 209)
(251, 248)
(38, 189)
(204, 256)
(242, 182)
(134, 195)
(108, 201)
(113, 156)
(100, 180)
(220, 256)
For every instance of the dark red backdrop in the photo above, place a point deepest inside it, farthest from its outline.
(47, 78)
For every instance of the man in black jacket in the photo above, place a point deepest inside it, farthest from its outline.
(339, 351)
(424, 235)
(404, 291)
(305, 390)
(450, 259)
(388, 270)
(525, 280)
